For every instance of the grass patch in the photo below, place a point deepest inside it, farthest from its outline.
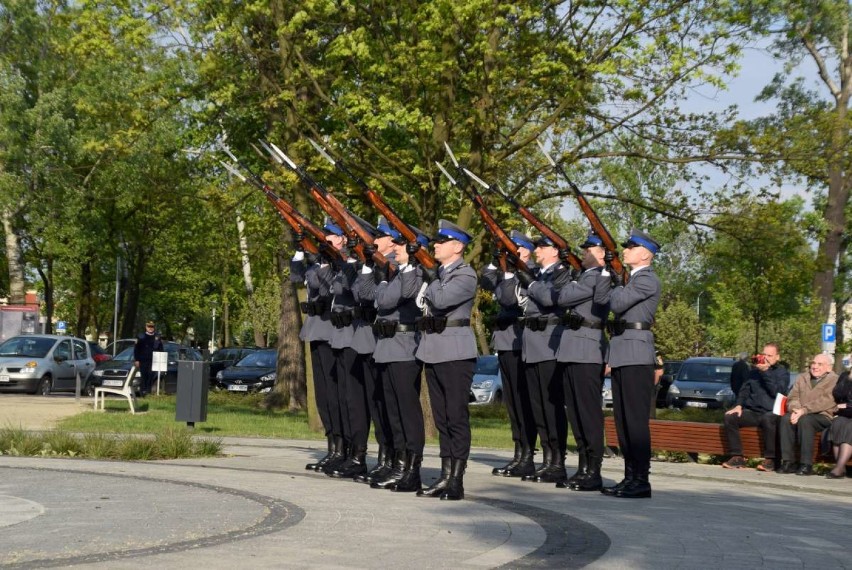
(172, 443)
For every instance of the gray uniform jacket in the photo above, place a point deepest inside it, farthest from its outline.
(317, 279)
(396, 301)
(344, 300)
(363, 290)
(507, 329)
(450, 295)
(540, 346)
(584, 345)
(635, 302)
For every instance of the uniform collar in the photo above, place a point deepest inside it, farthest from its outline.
(634, 271)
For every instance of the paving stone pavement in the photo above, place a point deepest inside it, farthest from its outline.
(257, 507)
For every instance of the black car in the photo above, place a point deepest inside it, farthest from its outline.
(225, 357)
(254, 373)
(670, 370)
(114, 371)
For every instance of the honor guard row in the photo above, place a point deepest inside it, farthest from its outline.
(373, 329)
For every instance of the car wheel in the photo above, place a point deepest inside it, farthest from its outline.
(498, 397)
(89, 390)
(44, 385)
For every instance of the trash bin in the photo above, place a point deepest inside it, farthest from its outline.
(192, 387)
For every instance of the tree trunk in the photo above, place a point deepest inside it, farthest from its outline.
(291, 355)
(17, 285)
(259, 339)
(46, 275)
(84, 300)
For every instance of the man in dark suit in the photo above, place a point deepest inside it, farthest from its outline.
(143, 355)
(631, 358)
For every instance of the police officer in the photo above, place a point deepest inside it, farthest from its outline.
(143, 355)
(506, 340)
(365, 295)
(400, 370)
(316, 273)
(631, 358)
(542, 333)
(448, 350)
(581, 350)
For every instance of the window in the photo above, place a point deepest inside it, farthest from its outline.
(63, 350)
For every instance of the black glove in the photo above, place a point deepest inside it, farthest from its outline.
(351, 242)
(565, 254)
(496, 257)
(575, 274)
(615, 277)
(380, 273)
(561, 277)
(512, 261)
(297, 241)
(412, 247)
(525, 278)
(429, 275)
(609, 256)
(311, 258)
(369, 250)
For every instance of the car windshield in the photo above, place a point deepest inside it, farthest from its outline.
(220, 355)
(672, 366)
(486, 366)
(125, 355)
(265, 359)
(705, 372)
(31, 347)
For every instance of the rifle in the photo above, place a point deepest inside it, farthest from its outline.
(421, 255)
(332, 206)
(594, 220)
(565, 252)
(299, 223)
(502, 238)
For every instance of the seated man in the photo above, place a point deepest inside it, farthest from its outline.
(754, 408)
(810, 407)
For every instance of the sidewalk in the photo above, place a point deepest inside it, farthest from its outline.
(259, 508)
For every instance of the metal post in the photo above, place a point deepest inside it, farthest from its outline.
(213, 334)
(115, 309)
(698, 305)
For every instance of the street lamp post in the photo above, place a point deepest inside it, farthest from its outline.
(213, 334)
(698, 305)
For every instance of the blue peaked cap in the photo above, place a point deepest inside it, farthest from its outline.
(638, 237)
(592, 240)
(384, 227)
(331, 228)
(449, 230)
(521, 240)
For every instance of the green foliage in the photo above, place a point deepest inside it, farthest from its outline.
(677, 332)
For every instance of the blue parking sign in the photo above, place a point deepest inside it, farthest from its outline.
(61, 327)
(829, 333)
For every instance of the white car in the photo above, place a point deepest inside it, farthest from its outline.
(487, 387)
(44, 363)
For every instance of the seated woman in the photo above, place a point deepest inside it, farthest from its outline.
(841, 427)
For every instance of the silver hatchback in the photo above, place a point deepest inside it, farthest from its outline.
(43, 363)
(702, 382)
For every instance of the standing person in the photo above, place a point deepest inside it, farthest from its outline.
(542, 333)
(143, 355)
(739, 373)
(448, 350)
(754, 408)
(581, 352)
(631, 358)
(316, 273)
(400, 370)
(810, 407)
(506, 340)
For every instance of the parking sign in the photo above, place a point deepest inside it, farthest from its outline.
(829, 333)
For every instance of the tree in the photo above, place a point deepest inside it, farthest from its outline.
(677, 332)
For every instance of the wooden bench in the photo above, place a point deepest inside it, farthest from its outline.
(696, 437)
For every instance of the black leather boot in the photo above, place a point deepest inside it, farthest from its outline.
(526, 464)
(335, 463)
(547, 459)
(556, 472)
(336, 456)
(438, 486)
(410, 481)
(501, 471)
(317, 465)
(639, 487)
(455, 485)
(582, 463)
(628, 477)
(355, 464)
(380, 469)
(592, 481)
(395, 474)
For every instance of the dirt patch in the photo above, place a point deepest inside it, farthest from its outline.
(38, 412)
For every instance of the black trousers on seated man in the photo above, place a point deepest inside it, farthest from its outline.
(804, 431)
(767, 421)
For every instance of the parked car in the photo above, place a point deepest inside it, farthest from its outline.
(254, 373)
(117, 347)
(606, 393)
(702, 382)
(98, 353)
(44, 363)
(670, 370)
(114, 371)
(225, 357)
(487, 386)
